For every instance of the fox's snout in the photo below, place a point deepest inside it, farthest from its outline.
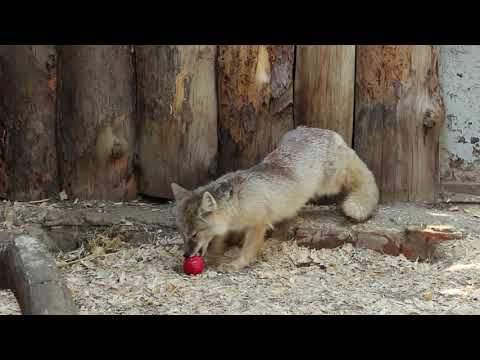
(189, 249)
(188, 252)
(193, 248)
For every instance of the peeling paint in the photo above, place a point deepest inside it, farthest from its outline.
(459, 142)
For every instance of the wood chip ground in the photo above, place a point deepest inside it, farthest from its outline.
(115, 277)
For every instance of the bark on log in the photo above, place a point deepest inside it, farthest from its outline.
(255, 91)
(28, 158)
(96, 121)
(324, 87)
(398, 116)
(323, 229)
(30, 272)
(177, 107)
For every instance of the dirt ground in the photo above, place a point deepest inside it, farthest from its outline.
(111, 275)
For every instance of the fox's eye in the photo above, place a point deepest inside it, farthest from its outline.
(194, 235)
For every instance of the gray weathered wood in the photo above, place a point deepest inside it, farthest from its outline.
(96, 121)
(177, 108)
(30, 272)
(28, 155)
(466, 189)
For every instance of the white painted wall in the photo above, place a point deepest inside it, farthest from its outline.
(460, 139)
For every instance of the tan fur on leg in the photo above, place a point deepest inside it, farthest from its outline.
(363, 192)
(254, 239)
(216, 251)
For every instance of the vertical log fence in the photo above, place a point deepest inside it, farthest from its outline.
(112, 121)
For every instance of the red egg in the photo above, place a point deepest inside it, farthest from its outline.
(193, 265)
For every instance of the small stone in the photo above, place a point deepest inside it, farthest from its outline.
(428, 296)
(63, 195)
(266, 275)
(475, 295)
(98, 250)
(212, 274)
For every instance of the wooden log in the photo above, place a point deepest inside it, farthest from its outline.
(323, 229)
(434, 233)
(177, 107)
(255, 94)
(398, 116)
(30, 272)
(96, 121)
(465, 189)
(28, 158)
(324, 87)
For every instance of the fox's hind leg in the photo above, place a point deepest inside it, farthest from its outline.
(362, 191)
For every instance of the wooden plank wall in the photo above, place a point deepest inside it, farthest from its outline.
(255, 94)
(96, 121)
(28, 158)
(324, 87)
(125, 120)
(398, 116)
(177, 116)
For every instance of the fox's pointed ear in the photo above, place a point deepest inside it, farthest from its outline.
(179, 192)
(209, 203)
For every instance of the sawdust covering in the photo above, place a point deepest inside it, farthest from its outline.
(110, 276)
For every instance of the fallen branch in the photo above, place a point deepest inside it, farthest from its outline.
(39, 201)
(89, 257)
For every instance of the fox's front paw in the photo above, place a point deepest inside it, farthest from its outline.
(231, 266)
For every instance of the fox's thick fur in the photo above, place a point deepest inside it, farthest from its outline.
(308, 163)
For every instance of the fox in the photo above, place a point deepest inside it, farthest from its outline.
(308, 163)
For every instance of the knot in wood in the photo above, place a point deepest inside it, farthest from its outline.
(428, 120)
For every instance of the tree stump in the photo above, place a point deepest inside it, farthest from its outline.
(177, 107)
(324, 87)
(96, 121)
(255, 92)
(398, 116)
(28, 158)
